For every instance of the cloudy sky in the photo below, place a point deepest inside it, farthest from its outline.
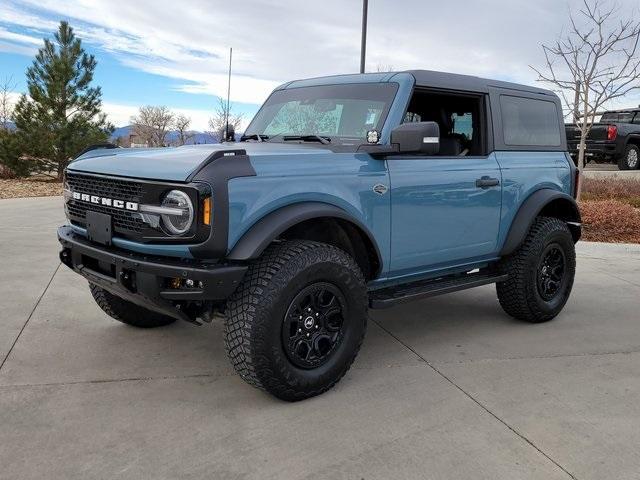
(176, 53)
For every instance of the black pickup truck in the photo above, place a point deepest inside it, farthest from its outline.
(615, 139)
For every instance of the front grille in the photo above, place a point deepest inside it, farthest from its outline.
(124, 222)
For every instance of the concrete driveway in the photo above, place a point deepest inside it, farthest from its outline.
(447, 388)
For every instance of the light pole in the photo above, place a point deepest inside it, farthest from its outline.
(363, 44)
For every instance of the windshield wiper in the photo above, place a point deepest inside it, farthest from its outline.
(308, 138)
(254, 136)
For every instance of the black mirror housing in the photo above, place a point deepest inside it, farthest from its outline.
(417, 137)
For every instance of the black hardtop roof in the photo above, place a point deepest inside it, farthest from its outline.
(454, 81)
(423, 78)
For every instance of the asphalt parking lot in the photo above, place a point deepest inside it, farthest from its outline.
(446, 388)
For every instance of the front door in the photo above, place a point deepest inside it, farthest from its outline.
(440, 216)
(445, 209)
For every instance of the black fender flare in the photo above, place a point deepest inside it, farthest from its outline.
(531, 208)
(633, 139)
(254, 241)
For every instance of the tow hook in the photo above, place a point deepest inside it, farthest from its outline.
(127, 279)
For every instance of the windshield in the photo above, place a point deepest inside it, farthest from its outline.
(340, 113)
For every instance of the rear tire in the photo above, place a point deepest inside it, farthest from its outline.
(631, 158)
(296, 323)
(127, 312)
(541, 272)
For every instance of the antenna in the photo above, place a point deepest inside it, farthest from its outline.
(363, 41)
(226, 127)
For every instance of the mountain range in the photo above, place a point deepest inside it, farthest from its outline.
(172, 136)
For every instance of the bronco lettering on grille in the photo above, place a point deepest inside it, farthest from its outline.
(107, 202)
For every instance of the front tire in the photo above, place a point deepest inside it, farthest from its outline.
(296, 323)
(127, 312)
(541, 273)
(631, 158)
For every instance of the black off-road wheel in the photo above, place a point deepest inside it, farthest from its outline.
(541, 273)
(630, 160)
(127, 312)
(295, 325)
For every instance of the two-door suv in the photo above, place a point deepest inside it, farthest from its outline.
(345, 193)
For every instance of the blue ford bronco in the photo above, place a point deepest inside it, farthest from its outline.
(345, 193)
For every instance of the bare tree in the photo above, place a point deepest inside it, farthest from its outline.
(596, 61)
(181, 124)
(381, 68)
(6, 104)
(152, 125)
(218, 123)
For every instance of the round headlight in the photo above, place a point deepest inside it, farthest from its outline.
(177, 223)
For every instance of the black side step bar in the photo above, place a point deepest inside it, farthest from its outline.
(388, 297)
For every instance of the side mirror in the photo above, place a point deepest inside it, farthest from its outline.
(417, 137)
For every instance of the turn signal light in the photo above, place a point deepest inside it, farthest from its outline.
(206, 211)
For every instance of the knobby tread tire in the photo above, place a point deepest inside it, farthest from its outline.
(622, 161)
(518, 295)
(127, 312)
(254, 310)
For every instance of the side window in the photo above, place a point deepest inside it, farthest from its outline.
(411, 117)
(463, 124)
(458, 116)
(529, 122)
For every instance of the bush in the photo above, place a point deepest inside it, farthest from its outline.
(610, 221)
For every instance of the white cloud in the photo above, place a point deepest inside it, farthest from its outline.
(9, 47)
(19, 38)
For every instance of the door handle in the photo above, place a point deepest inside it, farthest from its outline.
(486, 182)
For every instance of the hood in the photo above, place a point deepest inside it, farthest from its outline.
(175, 163)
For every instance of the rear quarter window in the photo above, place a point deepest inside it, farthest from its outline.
(529, 122)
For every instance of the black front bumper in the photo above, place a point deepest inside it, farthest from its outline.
(147, 281)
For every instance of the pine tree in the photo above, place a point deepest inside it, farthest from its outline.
(62, 114)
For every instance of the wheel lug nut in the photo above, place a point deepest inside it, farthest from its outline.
(308, 334)
(317, 314)
(317, 327)
(299, 330)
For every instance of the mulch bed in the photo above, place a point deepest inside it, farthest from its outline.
(33, 187)
(610, 221)
(610, 210)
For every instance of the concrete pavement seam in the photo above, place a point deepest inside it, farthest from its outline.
(622, 279)
(29, 317)
(539, 357)
(117, 380)
(480, 404)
